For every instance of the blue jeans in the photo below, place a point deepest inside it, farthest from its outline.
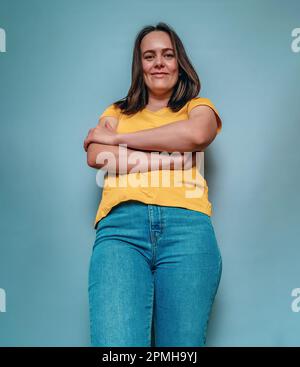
(152, 263)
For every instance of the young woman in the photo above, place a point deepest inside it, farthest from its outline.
(155, 259)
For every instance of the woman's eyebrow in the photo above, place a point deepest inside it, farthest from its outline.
(163, 49)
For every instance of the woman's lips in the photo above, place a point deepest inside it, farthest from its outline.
(159, 75)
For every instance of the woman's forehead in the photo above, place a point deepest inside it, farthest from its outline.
(155, 41)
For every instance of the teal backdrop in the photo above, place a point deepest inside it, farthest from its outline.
(65, 62)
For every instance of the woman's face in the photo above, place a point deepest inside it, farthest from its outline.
(158, 56)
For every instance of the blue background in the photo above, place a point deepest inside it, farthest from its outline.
(66, 61)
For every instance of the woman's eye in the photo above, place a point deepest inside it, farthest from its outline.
(168, 55)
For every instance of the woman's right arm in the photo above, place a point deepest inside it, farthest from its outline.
(125, 160)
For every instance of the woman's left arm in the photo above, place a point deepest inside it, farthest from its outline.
(193, 134)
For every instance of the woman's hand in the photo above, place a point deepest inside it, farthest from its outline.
(102, 135)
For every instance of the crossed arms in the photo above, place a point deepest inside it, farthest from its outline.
(180, 138)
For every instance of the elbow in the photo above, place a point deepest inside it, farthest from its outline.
(203, 132)
(90, 162)
(98, 157)
(202, 141)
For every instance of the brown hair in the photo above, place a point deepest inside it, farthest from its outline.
(188, 84)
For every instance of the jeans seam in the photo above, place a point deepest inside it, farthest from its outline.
(151, 315)
(152, 238)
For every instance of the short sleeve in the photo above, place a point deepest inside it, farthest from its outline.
(205, 101)
(112, 111)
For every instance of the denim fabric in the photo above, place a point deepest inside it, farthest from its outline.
(152, 263)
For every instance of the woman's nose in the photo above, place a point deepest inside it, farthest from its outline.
(159, 61)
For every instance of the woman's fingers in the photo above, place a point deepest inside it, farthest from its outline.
(95, 133)
(85, 144)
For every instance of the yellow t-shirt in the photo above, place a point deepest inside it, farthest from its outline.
(178, 188)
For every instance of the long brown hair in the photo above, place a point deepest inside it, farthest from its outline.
(188, 84)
